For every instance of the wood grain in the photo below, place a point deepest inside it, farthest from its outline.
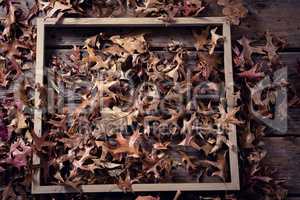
(284, 155)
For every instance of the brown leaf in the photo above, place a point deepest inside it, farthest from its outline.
(57, 9)
(3, 73)
(234, 10)
(187, 161)
(42, 91)
(18, 123)
(192, 7)
(147, 198)
(10, 20)
(201, 39)
(248, 50)
(252, 73)
(128, 146)
(39, 143)
(214, 40)
(8, 192)
(132, 44)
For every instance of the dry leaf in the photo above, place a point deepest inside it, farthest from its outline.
(214, 40)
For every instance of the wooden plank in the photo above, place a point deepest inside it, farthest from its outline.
(39, 75)
(140, 187)
(284, 155)
(229, 84)
(157, 37)
(136, 22)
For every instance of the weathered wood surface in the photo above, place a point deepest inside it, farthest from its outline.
(284, 155)
(281, 17)
(294, 198)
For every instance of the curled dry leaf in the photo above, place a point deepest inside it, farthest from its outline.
(214, 40)
(147, 198)
(252, 73)
(201, 39)
(234, 10)
(132, 44)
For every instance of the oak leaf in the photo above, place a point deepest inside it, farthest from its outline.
(214, 40)
(234, 10)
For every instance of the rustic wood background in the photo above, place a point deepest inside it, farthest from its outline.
(282, 18)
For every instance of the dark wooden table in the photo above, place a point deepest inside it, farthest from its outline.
(281, 17)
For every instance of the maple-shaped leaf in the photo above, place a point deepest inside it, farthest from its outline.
(234, 10)
(40, 142)
(13, 52)
(219, 164)
(256, 96)
(79, 164)
(271, 49)
(228, 117)
(100, 62)
(248, 50)
(252, 73)
(161, 163)
(117, 118)
(205, 66)
(60, 122)
(220, 140)
(128, 146)
(187, 161)
(57, 9)
(74, 184)
(201, 39)
(132, 44)
(214, 40)
(176, 69)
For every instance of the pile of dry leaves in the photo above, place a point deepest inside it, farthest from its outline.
(140, 116)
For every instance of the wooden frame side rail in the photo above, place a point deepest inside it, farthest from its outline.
(138, 22)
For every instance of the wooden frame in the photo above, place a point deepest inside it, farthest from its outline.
(138, 22)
